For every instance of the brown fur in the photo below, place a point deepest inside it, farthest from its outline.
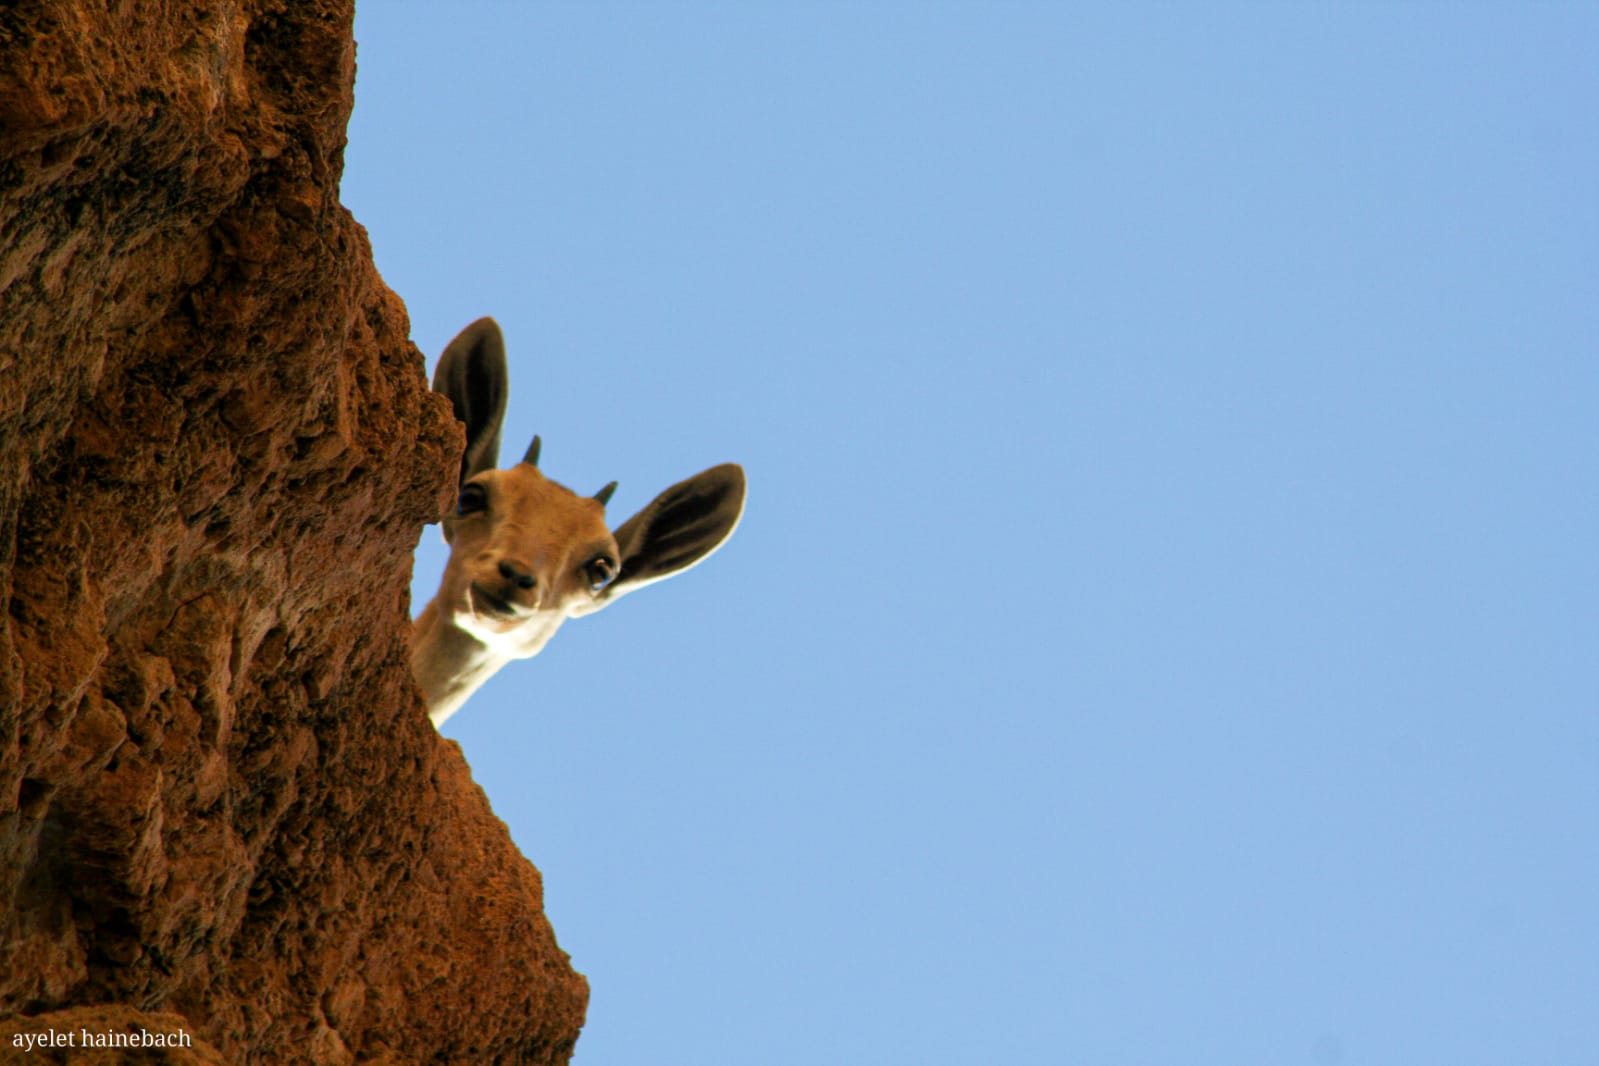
(526, 553)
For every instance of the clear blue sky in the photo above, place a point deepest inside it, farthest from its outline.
(1165, 627)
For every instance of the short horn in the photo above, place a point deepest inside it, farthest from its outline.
(604, 495)
(532, 456)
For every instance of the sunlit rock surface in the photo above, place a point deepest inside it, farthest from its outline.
(221, 803)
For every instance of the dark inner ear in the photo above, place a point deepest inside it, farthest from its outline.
(681, 526)
(472, 373)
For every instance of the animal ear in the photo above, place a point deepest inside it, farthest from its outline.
(678, 529)
(471, 372)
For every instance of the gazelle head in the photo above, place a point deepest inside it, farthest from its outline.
(526, 553)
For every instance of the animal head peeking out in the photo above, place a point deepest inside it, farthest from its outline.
(527, 553)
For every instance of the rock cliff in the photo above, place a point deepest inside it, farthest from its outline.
(222, 808)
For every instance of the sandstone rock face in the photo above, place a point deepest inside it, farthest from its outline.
(221, 803)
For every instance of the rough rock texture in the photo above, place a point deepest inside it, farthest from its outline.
(221, 804)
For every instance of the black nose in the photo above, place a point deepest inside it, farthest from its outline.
(512, 572)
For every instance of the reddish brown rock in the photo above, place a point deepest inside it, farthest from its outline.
(221, 803)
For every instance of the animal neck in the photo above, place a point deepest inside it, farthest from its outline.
(449, 663)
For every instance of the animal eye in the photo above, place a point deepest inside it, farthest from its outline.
(601, 571)
(473, 499)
